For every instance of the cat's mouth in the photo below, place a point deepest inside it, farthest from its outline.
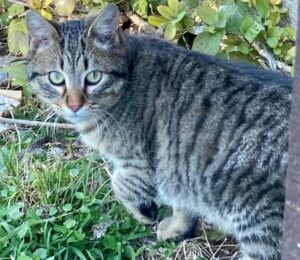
(76, 117)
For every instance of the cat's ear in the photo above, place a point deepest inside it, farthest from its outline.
(41, 32)
(105, 26)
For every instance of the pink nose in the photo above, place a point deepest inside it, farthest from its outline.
(74, 107)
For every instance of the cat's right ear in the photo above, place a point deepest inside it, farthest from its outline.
(41, 32)
(105, 26)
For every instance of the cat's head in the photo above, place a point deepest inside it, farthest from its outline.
(77, 67)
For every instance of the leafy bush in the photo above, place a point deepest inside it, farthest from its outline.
(229, 28)
(236, 29)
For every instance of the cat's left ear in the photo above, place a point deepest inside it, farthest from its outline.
(105, 27)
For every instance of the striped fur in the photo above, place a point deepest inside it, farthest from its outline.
(207, 137)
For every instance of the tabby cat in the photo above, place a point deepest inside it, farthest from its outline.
(205, 136)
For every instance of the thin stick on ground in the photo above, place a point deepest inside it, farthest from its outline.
(35, 123)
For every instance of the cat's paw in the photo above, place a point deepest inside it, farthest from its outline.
(148, 212)
(145, 213)
(171, 229)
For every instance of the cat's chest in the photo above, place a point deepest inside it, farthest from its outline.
(110, 148)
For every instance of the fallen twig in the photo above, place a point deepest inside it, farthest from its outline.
(143, 26)
(263, 52)
(35, 123)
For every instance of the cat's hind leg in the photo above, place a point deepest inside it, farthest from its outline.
(259, 239)
(181, 225)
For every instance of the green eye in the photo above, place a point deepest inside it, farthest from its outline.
(56, 78)
(93, 77)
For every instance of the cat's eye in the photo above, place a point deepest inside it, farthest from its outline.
(56, 78)
(93, 77)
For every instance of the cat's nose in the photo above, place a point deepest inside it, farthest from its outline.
(74, 100)
(75, 107)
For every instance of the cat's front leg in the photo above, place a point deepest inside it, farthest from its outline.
(181, 225)
(136, 192)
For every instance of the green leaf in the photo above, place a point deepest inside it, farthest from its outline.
(253, 31)
(79, 195)
(292, 52)
(173, 4)
(187, 21)
(283, 10)
(263, 8)
(275, 2)
(78, 253)
(23, 230)
(41, 252)
(22, 257)
(140, 7)
(246, 23)
(17, 37)
(274, 32)
(67, 207)
(53, 211)
(250, 28)
(234, 20)
(60, 229)
(179, 17)
(84, 209)
(5, 19)
(22, 38)
(207, 14)
(220, 24)
(179, 27)
(157, 21)
(244, 48)
(109, 242)
(46, 3)
(17, 72)
(170, 31)
(227, 10)
(15, 10)
(291, 32)
(277, 51)
(14, 212)
(39, 212)
(207, 43)
(274, 18)
(69, 223)
(129, 252)
(272, 42)
(166, 12)
(46, 14)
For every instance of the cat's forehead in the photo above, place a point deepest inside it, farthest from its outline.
(72, 27)
(72, 41)
(72, 33)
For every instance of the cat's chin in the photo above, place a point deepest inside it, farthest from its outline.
(75, 119)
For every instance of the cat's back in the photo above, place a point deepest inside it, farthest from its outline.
(161, 53)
